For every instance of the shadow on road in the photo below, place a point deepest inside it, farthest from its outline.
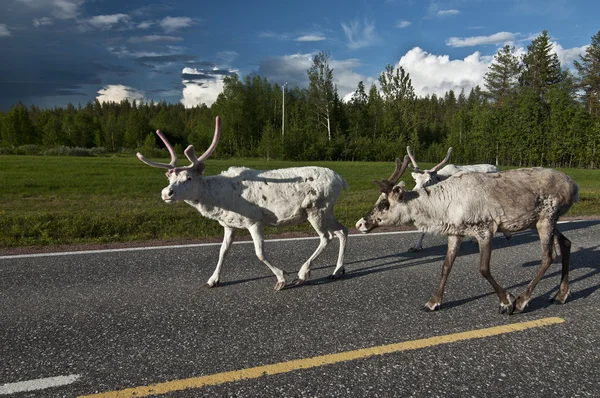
(581, 258)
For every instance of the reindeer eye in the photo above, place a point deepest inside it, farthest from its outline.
(383, 205)
(189, 178)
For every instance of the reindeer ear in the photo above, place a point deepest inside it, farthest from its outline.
(399, 189)
(200, 168)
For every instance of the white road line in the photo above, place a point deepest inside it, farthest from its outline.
(131, 249)
(37, 384)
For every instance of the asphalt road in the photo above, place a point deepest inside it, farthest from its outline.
(110, 321)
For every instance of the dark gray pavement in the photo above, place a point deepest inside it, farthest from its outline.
(133, 318)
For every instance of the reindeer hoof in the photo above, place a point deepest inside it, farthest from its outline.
(298, 282)
(415, 249)
(208, 285)
(340, 273)
(521, 304)
(509, 308)
(430, 307)
(561, 298)
(279, 285)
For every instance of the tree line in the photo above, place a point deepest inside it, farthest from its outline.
(530, 112)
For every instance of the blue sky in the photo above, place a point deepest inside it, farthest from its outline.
(60, 51)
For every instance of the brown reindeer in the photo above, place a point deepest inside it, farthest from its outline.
(478, 205)
(426, 178)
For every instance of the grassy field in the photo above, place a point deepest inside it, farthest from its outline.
(67, 200)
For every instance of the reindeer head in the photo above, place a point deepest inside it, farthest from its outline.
(425, 178)
(182, 179)
(388, 208)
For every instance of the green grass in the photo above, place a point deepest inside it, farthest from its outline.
(65, 200)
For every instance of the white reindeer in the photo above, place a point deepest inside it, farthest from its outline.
(252, 199)
(478, 205)
(425, 178)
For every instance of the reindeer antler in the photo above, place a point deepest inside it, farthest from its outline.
(189, 152)
(215, 140)
(386, 186)
(413, 161)
(400, 168)
(170, 165)
(436, 168)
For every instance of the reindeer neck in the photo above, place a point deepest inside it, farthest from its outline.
(213, 194)
(426, 211)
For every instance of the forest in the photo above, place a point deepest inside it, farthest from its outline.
(531, 112)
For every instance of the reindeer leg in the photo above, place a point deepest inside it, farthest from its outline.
(342, 234)
(419, 245)
(556, 248)
(318, 221)
(454, 242)
(227, 239)
(565, 250)
(485, 249)
(256, 231)
(545, 229)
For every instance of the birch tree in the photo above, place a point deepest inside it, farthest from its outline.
(321, 90)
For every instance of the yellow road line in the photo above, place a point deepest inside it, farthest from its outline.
(307, 363)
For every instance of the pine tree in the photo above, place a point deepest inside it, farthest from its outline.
(502, 76)
(541, 67)
(375, 111)
(16, 128)
(588, 80)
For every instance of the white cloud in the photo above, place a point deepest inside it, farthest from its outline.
(103, 21)
(403, 24)
(66, 9)
(60, 9)
(567, 56)
(44, 21)
(124, 52)
(153, 39)
(496, 38)
(436, 74)
(359, 35)
(4, 31)
(311, 38)
(447, 13)
(195, 94)
(273, 35)
(118, 93)
(301, 37)
(227, 57)
(171, 24)
(145, 24)
(205, 88)
(346, 79)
